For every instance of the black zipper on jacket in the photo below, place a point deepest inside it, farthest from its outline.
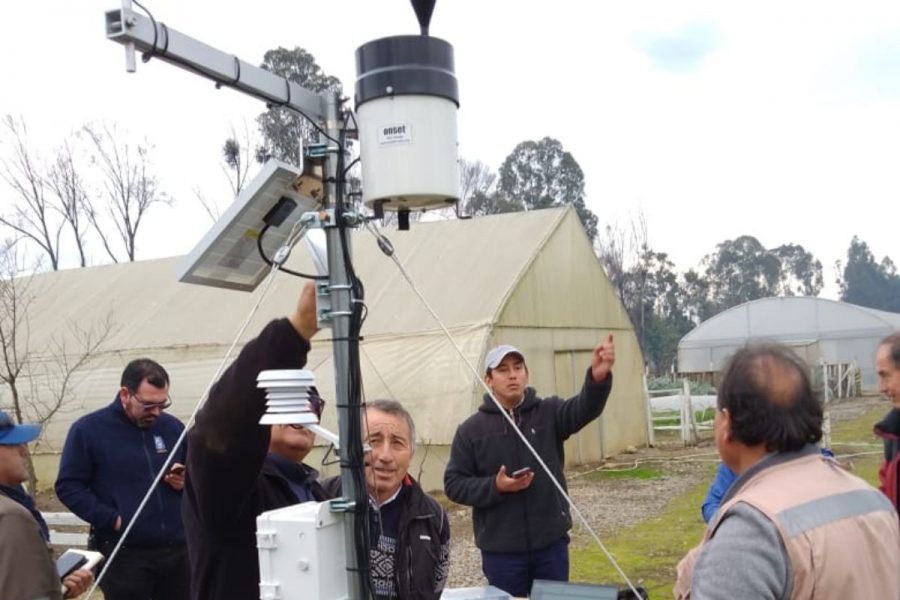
(156, 492)
(409, 561)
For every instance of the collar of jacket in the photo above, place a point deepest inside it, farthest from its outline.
(299, 473)
(889, 426)
(530, 401)
(769, 460)
(119, 410)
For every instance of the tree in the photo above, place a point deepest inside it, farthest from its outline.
(236, 161)
(869, 283)
(477, 183)
(801, 273)
(67, 185)
(283, 129)
(611, 249)
(39, 382)
(653, 299)
(542, 175)
(33, 217)
(695, 297)
(741, 270)
(129, 187)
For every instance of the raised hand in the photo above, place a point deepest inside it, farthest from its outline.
(304, 319)
(602, 359)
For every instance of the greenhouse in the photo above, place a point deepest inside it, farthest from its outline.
(836, 339)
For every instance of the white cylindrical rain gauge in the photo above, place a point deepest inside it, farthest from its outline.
(406, 103)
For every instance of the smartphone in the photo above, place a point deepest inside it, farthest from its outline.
(521, 473)
(70, 561)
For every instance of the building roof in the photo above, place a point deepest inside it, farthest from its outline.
(490, 278)
(791, 318)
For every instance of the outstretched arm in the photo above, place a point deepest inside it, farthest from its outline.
(578, 411)
(228, 445)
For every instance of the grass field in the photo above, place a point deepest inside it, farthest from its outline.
(649, 551)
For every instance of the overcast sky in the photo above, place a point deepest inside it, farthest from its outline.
(715, 119)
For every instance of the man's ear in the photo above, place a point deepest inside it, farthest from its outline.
(123, 394)
(726, 424)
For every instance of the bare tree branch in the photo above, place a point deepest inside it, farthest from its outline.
(209, 206)
(32, 215)
(40, 385)
(70, 195)
(130, 188)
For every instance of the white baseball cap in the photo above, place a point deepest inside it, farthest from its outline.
(496, 355)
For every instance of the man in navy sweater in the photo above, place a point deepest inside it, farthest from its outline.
(109, 461)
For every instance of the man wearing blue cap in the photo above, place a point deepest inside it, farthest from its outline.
(521, 521)
(27, 570)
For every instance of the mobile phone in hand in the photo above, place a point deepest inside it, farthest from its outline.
(518, 474)
(69, 562)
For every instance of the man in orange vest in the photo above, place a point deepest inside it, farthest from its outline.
(794, 524)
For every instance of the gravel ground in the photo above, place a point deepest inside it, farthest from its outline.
(608, 506)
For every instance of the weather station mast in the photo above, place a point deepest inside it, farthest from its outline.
(406, 100)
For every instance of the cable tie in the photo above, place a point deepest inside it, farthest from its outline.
(287, 86)
(281, 255)
(237, 74)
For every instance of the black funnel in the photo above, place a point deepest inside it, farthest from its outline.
(423, 9)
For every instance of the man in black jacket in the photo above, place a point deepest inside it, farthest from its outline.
(520, 519)
(237, 468)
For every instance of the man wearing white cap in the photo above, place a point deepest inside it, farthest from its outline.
(521, 521)
(27, 570)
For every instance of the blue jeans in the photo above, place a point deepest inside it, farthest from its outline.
(514, 572)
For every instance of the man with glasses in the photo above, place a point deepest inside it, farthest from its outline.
(110, 459)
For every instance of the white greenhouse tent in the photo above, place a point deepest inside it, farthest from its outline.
(826, 333)
(528, 279)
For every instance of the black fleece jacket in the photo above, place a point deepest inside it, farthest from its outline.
(538, 515)
(229, 481)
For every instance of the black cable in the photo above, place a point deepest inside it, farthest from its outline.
(355, 451)
(348, 167)
(286, 104)
(269, 262)
(146, 56)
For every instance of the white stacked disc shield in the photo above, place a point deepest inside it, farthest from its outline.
(287, 397)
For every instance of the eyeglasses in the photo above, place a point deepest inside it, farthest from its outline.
(148, 406)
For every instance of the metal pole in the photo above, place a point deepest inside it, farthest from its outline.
(340, 295)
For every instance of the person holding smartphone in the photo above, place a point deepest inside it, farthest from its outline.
(27, 569)
(521, 522)
(110, 459)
